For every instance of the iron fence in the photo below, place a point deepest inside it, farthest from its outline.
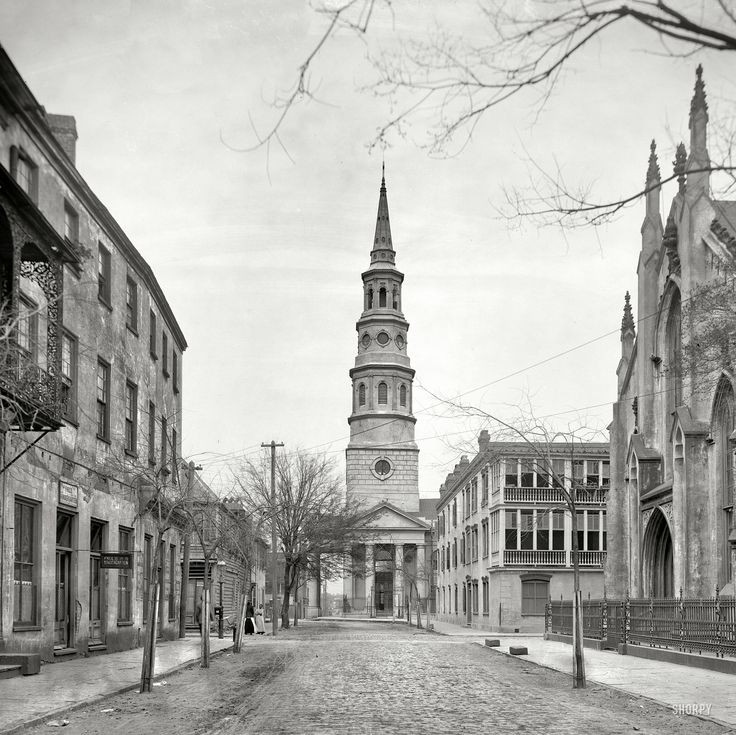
(695, 625)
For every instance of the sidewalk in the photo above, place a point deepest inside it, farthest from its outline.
(691, 690)
(60, 686)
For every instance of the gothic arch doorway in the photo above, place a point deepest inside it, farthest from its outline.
(658, 561)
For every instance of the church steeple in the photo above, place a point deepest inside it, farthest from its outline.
(383, 249)
(382, 453)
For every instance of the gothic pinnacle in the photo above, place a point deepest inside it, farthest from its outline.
(653, 175)
(679, 166)
(627, 323)
(698, 101)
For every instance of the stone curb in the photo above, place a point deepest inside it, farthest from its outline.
(97, 699)
(635, 695)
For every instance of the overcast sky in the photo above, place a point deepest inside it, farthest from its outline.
(260, 256)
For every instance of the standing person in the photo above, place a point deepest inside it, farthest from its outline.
(260, 626)
(249, 627)
(198, 613)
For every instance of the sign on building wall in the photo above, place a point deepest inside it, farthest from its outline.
(68, 494)
(115, 560)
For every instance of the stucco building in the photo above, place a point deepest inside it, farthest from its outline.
(672, 438)
(393, 564)
(91, 402)
(504, 532)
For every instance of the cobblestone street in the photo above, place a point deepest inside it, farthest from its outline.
(367, 678)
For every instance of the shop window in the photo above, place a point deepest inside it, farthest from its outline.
(25, 590)
(534, 596)
(125, 578)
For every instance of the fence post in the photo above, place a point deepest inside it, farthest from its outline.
(625, 619)
(682, 622)
(719, 646)
(604, 618)
(651, 622)
(547, 616)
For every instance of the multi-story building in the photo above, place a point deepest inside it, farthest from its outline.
(393, 565)
(91, 403)
(505, 532)
(673, 434)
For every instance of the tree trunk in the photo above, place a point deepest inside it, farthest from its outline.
(578, 660)
(148, 666)
(287, 595)
(184, 587)
(205, 619)
(240, 624)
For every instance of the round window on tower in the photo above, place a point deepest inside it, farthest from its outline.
(399, 341)
(366, 340)
(382, 339)
(382, 468)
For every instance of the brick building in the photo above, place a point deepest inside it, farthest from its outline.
(673, 434)
(91, 402)
(504, 532)
(393, 565)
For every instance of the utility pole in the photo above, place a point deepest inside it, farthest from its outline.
(274, 566)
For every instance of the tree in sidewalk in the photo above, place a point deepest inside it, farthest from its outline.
(447, 80)
(314, 527)
(545, 444)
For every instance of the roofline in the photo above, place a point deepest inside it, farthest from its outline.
(33, 114)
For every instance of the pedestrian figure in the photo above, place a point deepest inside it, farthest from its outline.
(249, 627)
(198, 613)
(260, 626)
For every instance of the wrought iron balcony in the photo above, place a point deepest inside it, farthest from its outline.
(553, 495)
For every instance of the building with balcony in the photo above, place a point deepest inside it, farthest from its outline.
(673, 436)
(505, 532)
(90, 395)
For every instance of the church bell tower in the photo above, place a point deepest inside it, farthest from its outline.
(382, 456)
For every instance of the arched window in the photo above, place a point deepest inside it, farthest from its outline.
(723, 426)
(674, 351)
(382, 393)
(396, 299)
(402, 395)
(361, 394)
(382, 298)
(369, 298)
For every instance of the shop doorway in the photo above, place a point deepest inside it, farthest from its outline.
(63, 610)
(97, 577)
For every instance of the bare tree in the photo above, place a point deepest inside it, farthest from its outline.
(546, 443)
(314, 526)
(447, 81)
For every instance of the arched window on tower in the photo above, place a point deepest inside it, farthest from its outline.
(396, 299)
(724, 422)
(361, 394)
(402, 395)
(382, 298)
(674, 350)
(382, 393)
(369, 298)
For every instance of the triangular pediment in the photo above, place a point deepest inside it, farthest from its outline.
(387, 516)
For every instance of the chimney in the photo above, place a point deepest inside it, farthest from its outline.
(484, 441)
(64, 128)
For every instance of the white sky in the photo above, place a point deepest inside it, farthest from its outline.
(261, 258)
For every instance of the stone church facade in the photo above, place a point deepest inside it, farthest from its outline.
(670, 514)
(391, 566)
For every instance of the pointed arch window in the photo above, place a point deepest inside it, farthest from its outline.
(382, 393)
(382, 298)
(361, 394)
(402, 395)
(673, 335)
(724, 422)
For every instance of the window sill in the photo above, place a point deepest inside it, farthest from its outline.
(104, 439)
(131, 453)
(154, 356)
(165, 373)
(22, 628)
(132, 329)
(125, 623)
(104, 302)
(71, 420)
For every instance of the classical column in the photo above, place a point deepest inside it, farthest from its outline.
(399, 577)
(423, 574)
(370, 578)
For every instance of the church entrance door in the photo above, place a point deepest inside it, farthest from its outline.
(658, 561)
(384, 594)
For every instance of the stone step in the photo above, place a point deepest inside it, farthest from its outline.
(9, 671)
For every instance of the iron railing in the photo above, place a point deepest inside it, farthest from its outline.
(694, 625)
